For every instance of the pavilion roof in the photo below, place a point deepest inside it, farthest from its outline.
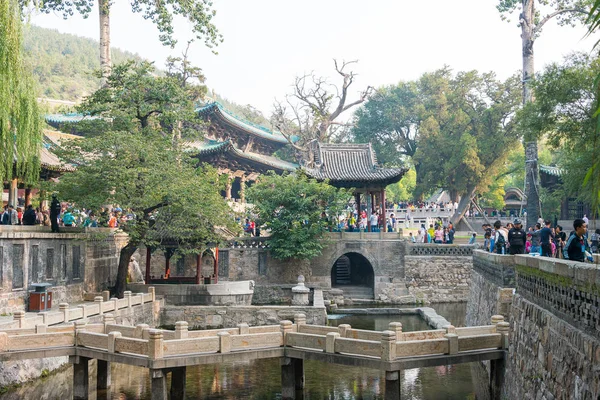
(207, 149)
(55, 120)
(351, 165)
(217, 109)
(48, 159)
(551, 170)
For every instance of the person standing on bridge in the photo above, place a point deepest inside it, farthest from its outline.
(546, 238)
(577, 246)
(54, 213)
(517, 238)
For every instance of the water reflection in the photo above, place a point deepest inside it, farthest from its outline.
(261, 379)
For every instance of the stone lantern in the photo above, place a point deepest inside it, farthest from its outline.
(300, 293)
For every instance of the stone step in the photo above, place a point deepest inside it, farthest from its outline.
(357, 292)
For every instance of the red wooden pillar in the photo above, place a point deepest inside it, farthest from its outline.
(198, 268)
(383, 209)
(148, 259)
(216, 266)
(168, 253)
(372, 202)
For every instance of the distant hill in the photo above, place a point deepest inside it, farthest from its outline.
(63, 64)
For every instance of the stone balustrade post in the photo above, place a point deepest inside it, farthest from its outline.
(108, 319)
(3, 342)
(112, 337)
(155, 344)
(286, 327)
(115, 304)
(181, 330)
(330, 342)
(343, 329)
(139, 330)
(503, 328)
(64, 309)
(396, 327)
(83, 311)
(243, 328)
(496, 319)
(127, 295)
(224, 342)
(79, 328)
(300, 319)
(41, 328)
(452, 343)
(44, 316)
(450, 329)
(388, 346)
(98, 300)
(19, 316)
(152, 291)
(105, 295)
(146, 333)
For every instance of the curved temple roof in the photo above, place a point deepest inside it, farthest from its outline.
(212, 147)
(349, 164)
(215, 108)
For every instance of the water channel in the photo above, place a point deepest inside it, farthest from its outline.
(261, 379)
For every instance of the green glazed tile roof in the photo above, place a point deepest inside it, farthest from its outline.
(250, 127)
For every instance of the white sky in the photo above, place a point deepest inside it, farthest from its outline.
(269, 42)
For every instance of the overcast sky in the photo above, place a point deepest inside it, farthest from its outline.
(269, 42)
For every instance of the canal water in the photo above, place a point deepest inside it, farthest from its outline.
(261, 379)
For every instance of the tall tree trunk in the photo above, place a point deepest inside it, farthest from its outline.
(124, 258)
(532, 185)
(463, 205)
(105, 60)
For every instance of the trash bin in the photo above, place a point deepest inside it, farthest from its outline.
(41, 298)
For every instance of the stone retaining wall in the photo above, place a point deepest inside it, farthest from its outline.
(491, 288)
(73, 262)
(438, 279)
(549, 358)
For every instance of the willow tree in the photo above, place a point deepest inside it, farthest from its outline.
(198, 12)
(20, 124)
(531, 21)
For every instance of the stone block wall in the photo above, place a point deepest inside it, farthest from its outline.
(549, 358)
(72, 262)
(438, 279)
(212, 317)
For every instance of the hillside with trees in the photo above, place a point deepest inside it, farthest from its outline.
(63, 65)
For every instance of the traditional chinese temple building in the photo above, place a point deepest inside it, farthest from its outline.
(51, 168)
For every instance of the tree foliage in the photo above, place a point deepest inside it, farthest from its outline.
(390, 120)
(469, 130)
(137, 165)
(404, 189)
(161, 13)
(20, 122)
(565, 111)
(291, 208)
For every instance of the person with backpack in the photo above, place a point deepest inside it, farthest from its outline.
(500, 238)
(517, 238)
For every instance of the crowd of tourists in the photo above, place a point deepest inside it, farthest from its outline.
(543, 239)
(65, 214)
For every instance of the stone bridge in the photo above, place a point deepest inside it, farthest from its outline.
(168, 351)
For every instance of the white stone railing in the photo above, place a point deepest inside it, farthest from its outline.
(66, 314)
(154, 344)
